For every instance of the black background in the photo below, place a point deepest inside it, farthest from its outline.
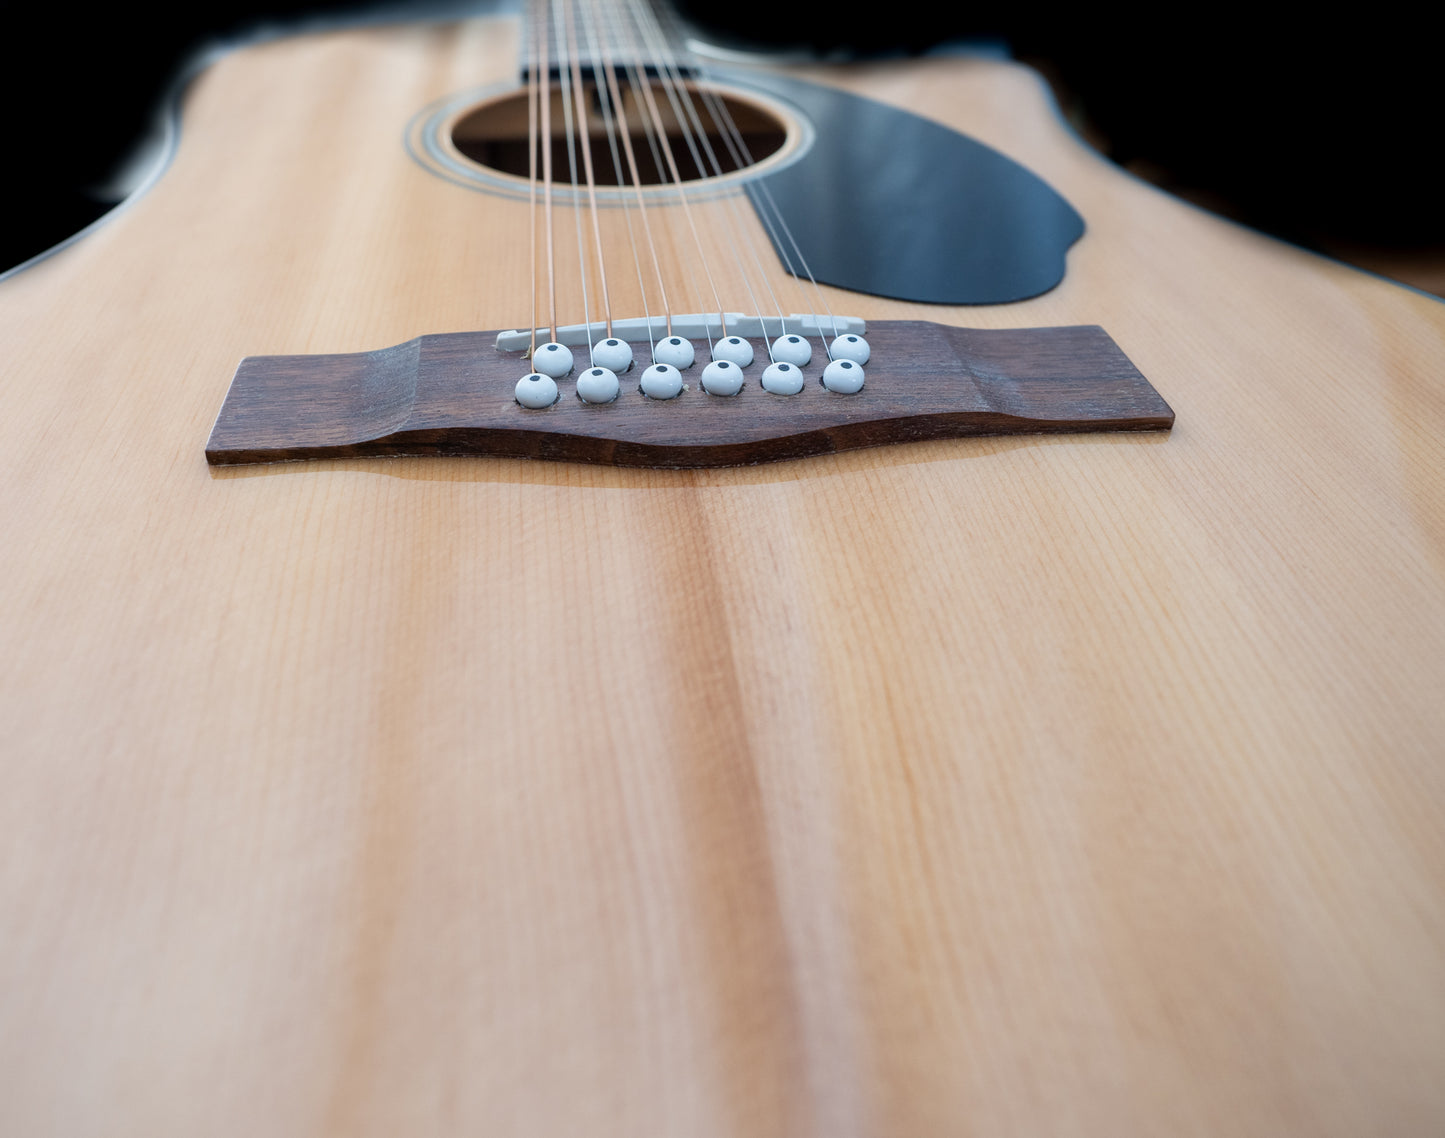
(1318, 130)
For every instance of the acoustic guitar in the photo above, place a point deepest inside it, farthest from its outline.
(1043, 783)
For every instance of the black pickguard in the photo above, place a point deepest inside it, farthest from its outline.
(892, 204)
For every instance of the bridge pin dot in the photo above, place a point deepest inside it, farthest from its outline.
(843, 376)
(674, 351)
(661, 381)
(597, 385)
(850, 347)
(613, 354)
(536, 391)
(734, 349)
(782, 379)
(554, 360)
(793, 350)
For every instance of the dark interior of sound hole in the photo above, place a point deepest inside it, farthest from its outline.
(495, 135)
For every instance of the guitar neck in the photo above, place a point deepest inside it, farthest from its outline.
(639, 37)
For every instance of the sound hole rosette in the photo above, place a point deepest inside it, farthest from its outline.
(430, 140)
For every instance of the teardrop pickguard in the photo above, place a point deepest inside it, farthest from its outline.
(889, 203)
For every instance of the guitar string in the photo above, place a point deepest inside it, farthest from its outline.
(803, 261)
(740, 223)
(545, 77)
(565, 92)
(648, 33)
(616, 72)
(532, 88)
(680, 99)
(638, 78)
(730, 129)
(772, 205)
(672, 167)
(734, 203)
(564, 82)
(724, 119)
(598, 52)
(624, 136)
(679, 92)
(686, 281)
(584, 133)
(656, 47)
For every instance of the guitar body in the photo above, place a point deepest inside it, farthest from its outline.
(1059, 784)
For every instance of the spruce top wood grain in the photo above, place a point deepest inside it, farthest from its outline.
(1030, 785)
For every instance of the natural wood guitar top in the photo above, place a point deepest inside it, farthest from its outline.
(1086, 785)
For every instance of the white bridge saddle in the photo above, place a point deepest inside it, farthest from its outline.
(692, 326)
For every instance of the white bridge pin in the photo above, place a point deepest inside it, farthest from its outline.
(793, 350)
(553, 360)
(536, 391)
(674, 351)
(722, 378)
(782, 379)
(843, 376)
(850, 347)
(597, 385)
(734, 349)
(613, 354)
(661, 381)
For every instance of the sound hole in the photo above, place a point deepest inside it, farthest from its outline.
(495, 134)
